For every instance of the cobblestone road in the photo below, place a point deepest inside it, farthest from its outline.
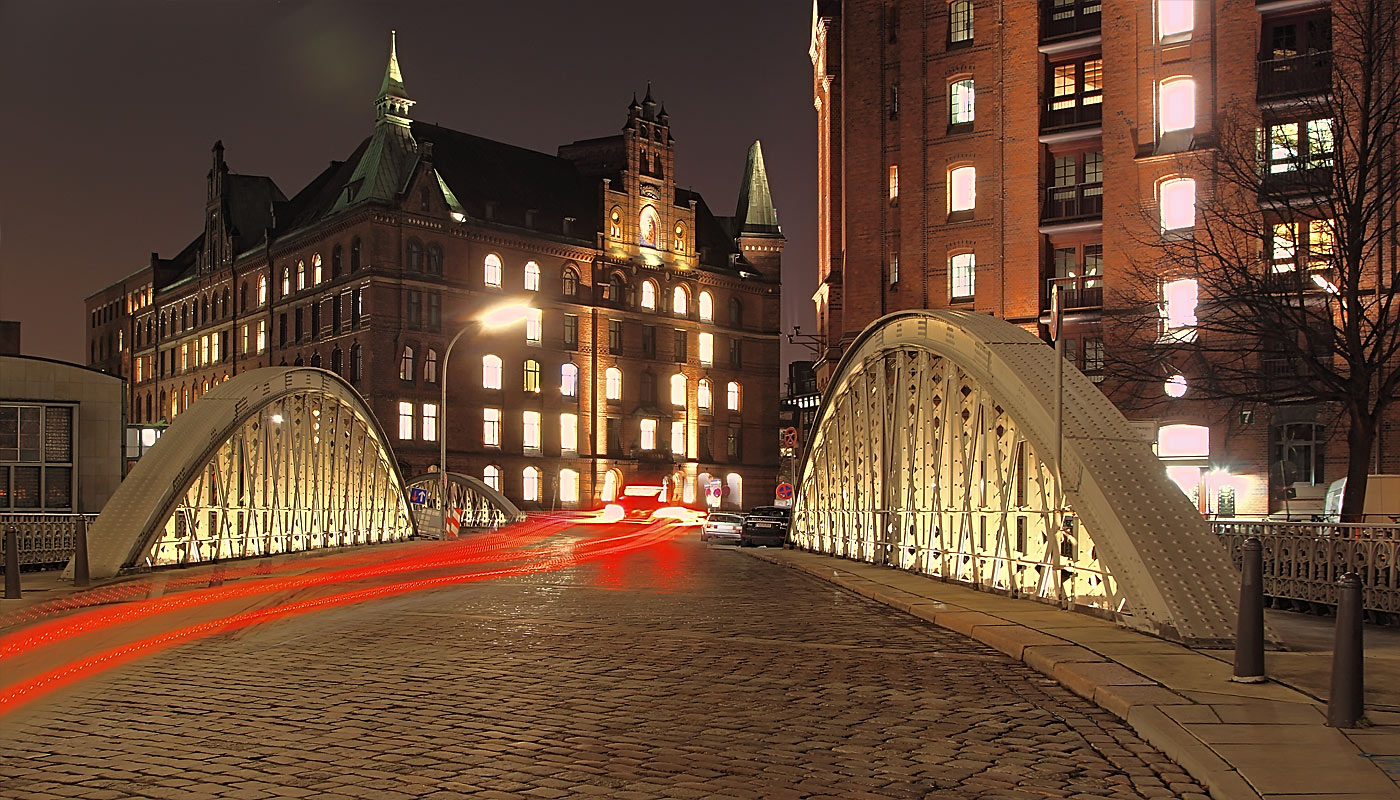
(681, 671)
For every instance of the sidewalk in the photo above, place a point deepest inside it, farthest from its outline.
(1263, 741)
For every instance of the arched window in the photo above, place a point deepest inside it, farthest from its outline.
(434, 260)
(678, 390)
(568, 486)
(703, 396)
(532, 276)
(356, 363)
(337, 361)
(961, 99)
(148, 417)
(300, 363)
(355, 254)
(491, 270)
(162, 404)
(243, 296)
(262, 290)
(224, 304)
(530, 489)
(1176, 104)
(707, 307)
(405, 364)
(490, 372)
(612, 383)
(568, 380)
(649, 227)
(617, 289)
(286, 281)
(569, 282)
(315, 269)
(413, 255)
(649, 295)
(733, 392)
(203, 311)
(301, 275)
(611, 480)
(430, 366)
(336, 254)
(1176, 203)
(735, 484)
(736, 313)
(531, 377)
(316, 359)
(680, 301)
(491, 476)
(962, 189)
(678, 243)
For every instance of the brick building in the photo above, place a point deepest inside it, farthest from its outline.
(973, 154)
(650, 355)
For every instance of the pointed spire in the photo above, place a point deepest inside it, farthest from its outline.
(393, 102)
(648, 104)
(755, 213)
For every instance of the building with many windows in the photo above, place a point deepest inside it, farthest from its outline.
(976, 155)
(650, 353)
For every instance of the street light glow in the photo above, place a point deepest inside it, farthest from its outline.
(504, 315)
(1175, 386)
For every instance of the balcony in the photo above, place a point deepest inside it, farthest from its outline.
(1295, 76)
(1061, 19)
(1081, 201)
(1074, 116)
(1078, 292)
(1316, 180)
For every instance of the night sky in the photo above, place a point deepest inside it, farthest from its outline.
(111, 109)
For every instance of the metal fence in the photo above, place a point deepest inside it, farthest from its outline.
(45, 540)
(1303, 560)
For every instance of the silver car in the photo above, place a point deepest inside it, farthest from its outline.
(722, 525)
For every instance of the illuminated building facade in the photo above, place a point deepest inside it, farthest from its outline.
(651, 353)
(973, 154)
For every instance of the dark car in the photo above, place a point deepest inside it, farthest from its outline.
(765, 525)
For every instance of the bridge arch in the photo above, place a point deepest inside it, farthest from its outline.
(934, 451)
(482, 506)
(274, 460)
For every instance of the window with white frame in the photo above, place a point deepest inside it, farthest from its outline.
(648, 441)
(678, 437)
(430, 422)
(568, 432)
(680, 301)
(707, 307)
(405, 420)
(678, 389)
(262, 335)
(534, 327)
(491, 270)
(1295, 146)
(531, 421)
(612, 383)
(962, 189)
(262, 289)
(568, 486)
(961, 102)
(962, 275)
(649, 295)
(490, 372)
(531, 379)
(532, 276)
(1175, 18)
(491, 476)
(406, 364)
(430, 366)
(530, 484)
(1176, 203)
(1178, 309)
(491, 427)
(960, 21)
(568, 380)
(703, 397)
(707, 349)
(733, 392)
(1176, 104)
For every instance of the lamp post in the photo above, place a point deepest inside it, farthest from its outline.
(497, 317)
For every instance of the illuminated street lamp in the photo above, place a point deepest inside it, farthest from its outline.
(497, 317)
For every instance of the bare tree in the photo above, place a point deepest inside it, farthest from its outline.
(1293, 249)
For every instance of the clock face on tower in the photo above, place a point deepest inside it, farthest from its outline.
(649, 224)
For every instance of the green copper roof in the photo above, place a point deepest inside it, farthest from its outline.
(393, 79)
(755, 213)
(388, 159)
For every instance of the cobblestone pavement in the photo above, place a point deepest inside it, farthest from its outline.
(683, 671)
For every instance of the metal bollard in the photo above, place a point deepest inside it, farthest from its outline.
(1344, 704)
(1249, 631)
(80, 555)
(12, 564)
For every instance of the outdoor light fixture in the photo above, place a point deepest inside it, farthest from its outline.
(1175, 386)
(276, 419)
(1325, 285)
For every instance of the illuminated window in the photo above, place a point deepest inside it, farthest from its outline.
(648, 434)
(430, 366)
(1185, 450)
(1177, 104)
(610, 481)
(490, 372)
(649, 295)
(1295, 146)
(1178, 309)
(1176, 203)
(430, 422)
(680, 301)
(960, 21)
(534, 326)
(532, 276)
(1322, 242)
(733, 391)
(568, 380)
(962, 272)
(491, 476)
(405, 420)
(613, 383)
(615, 223)
(707, 307)
(315, 269)
(491, 272)
(568, 486)
(531, 420)
(703, 396)
(1285, 246)
(678, 389)
(962, 189)
(491, 427)
(531, 380)
(530, 485)
(1175, 17)
(678, 437)
(406, 364)
(961, 102)
(707, 349)
(262, 335)
(894, 181)
(569, 282)
(649, 225)
(568, 432)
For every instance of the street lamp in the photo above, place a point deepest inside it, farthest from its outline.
(497, 317)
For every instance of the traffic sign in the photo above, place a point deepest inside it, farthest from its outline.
(784, 491)
(418, 495)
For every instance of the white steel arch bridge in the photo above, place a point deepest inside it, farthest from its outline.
(934, 451)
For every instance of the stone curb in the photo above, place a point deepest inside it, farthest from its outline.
(1131, 697)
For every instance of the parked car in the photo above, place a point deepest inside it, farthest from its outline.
(765, 525)
(724, 525)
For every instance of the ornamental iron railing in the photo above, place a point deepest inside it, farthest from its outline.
(45, 540)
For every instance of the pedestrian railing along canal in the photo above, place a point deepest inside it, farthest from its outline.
(1303, 560)
(45, 540)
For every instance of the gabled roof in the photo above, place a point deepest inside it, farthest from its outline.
(248, 204)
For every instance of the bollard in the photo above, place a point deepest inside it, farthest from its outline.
(12, 564)
(1344, 703)
(80, 555)
(1249, 631)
